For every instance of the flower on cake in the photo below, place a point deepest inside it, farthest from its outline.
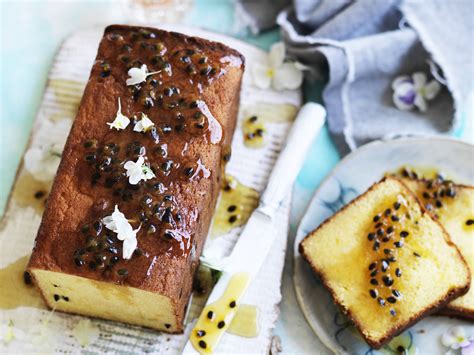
(121, 121)
(139, 75)
(144, 124)
(117, 223)
(138, 170)
(455, 338)
(415, 91)
(277, 72)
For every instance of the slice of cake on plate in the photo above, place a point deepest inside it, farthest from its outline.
(386, 262)
(453, 206)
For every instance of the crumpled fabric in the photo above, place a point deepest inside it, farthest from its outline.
(362, 46)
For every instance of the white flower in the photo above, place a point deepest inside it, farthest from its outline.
(280, 74)
(455, 338)
(138, 171)
(213, 259)
(117, 223)
(85, 332)
(139, 75)
(121, 121)
(9, 333)
(409, 92)
(42, 160)
(144, 124)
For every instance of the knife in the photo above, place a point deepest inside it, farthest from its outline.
(255, 241)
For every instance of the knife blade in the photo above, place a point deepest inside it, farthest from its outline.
(255, 241)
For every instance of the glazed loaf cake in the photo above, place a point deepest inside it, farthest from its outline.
(453, 206)
(386, 262)
(133, 198)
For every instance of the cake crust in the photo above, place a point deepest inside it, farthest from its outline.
(193, 101)
(452, 294)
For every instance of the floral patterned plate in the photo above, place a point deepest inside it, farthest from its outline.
(353, 175)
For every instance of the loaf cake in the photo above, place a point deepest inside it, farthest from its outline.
(386, 262)
(453, 206)
(135, 191)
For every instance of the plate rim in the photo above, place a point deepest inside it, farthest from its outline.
(399, 140)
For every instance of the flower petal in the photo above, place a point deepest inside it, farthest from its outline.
(419, 80)
(134, 177)
(469, 349)
(447, 339)
(144, 124)
(148, 173)
(137, 75)
(399, 80)
(32, 159)
(404, 96)
(431, 90)
(276, 56)
(287, 76)
(129, 165)
(301, 66)
(129, 246)
(260, 76)
(138, 127)
(140, 161)
(458, 332)
(420, 102)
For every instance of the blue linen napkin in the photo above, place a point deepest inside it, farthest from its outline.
(362, 46)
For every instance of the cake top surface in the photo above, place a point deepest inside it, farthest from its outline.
(145, 140)
(385, 260)
(453, 206)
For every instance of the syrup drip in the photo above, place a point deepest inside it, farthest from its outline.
(29, 192)
(236, 204)
(245, 322)
(15, 292)
(215, 317)
(258, 116)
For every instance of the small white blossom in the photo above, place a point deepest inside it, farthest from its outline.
(9, 333)
(139, 75)
(42, 160)
(121, 121)
(117, 223)
(144, 124)
(455, 338)
(137, 171)
(278, 73)
(410, 92)
(85, 332)
(213, 259)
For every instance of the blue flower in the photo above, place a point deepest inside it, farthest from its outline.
(415, 91)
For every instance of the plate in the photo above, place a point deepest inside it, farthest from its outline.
(351, 177)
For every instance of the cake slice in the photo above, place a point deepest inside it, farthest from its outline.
(135, 192)
(386, 262)
(453, 206)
